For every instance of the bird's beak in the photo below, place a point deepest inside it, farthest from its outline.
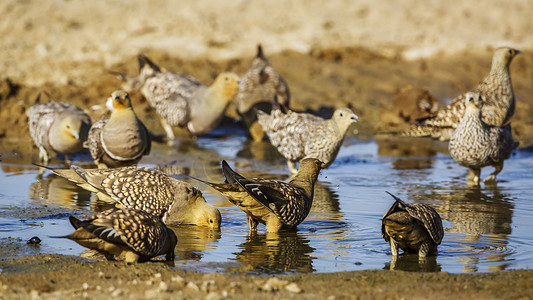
(354, 117)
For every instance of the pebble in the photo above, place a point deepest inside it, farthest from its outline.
(293, 288)
(117, 293)
(192, 286)
(213, 296)
(85, 285)
(163, 286)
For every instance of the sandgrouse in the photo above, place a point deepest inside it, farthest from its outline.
(273, 203)
(475, 144)
(257, 89)
(301, 135)
(131, 234)
(57, 128)
(120, 139)
(412, 227)
(496, 90)
(181, 100)
(170, 199)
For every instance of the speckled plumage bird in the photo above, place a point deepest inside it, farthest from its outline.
(133, 234)
(257, 89)
(412, 227)
(301, 135)
(181, 100)
(57, 128)
(475, 144)
(120, 139)
(273, 203)
(496, 90)
(170, 199)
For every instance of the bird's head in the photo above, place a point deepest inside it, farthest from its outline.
(344, 117)
(118, 100)
(473, 100)
(227, 84)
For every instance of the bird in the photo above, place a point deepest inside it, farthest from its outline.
(120, 139)
(412, 227)
(301, 135)
(167, 198)
(273, 203)
(257, 88)
(497, 91)
(476, 144)
(57, 128)
(181, 100)
(130, 233)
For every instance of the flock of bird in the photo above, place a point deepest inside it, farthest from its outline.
(477, 124)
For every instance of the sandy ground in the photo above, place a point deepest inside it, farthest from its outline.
(344, 53)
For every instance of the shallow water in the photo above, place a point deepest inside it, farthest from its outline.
(486, 228)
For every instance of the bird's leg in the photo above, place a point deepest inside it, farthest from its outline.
(252, 224)
(393, 262)
(473, 178)
(492, 177)
(273, 224)
(43, 155)
(168, 131)
(292, 166)
(393, 248)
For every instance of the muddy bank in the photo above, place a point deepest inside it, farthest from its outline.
(55, 276)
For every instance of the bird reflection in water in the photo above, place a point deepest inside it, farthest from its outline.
(275, 253)
(413, 263)
(482, 217)
(411, 153)
(193, 241)
(58, 190)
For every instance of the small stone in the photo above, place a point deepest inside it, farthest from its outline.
(213, 296)
(206, 285)
(163, 286)
(101, 275)
(192, 286)
(157, 275)
(117, 293)
(85, 285)
(293, 288)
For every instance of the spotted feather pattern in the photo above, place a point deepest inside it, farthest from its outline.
(170, 95)
(301, 135)
(137, 188)
(425, 214)
(140, 231)
(475, 144)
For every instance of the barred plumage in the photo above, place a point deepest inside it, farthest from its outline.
(120, 139)
(181, 100)
(475, 144)
(57, 128)
(273, 203)
(300, 135)
(412, 227)
(170, 199)
(497, 92)
(134, 234)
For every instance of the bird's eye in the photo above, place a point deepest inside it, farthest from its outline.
(341, 114)
(211, 221)
(471, 99)
(510, 51)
